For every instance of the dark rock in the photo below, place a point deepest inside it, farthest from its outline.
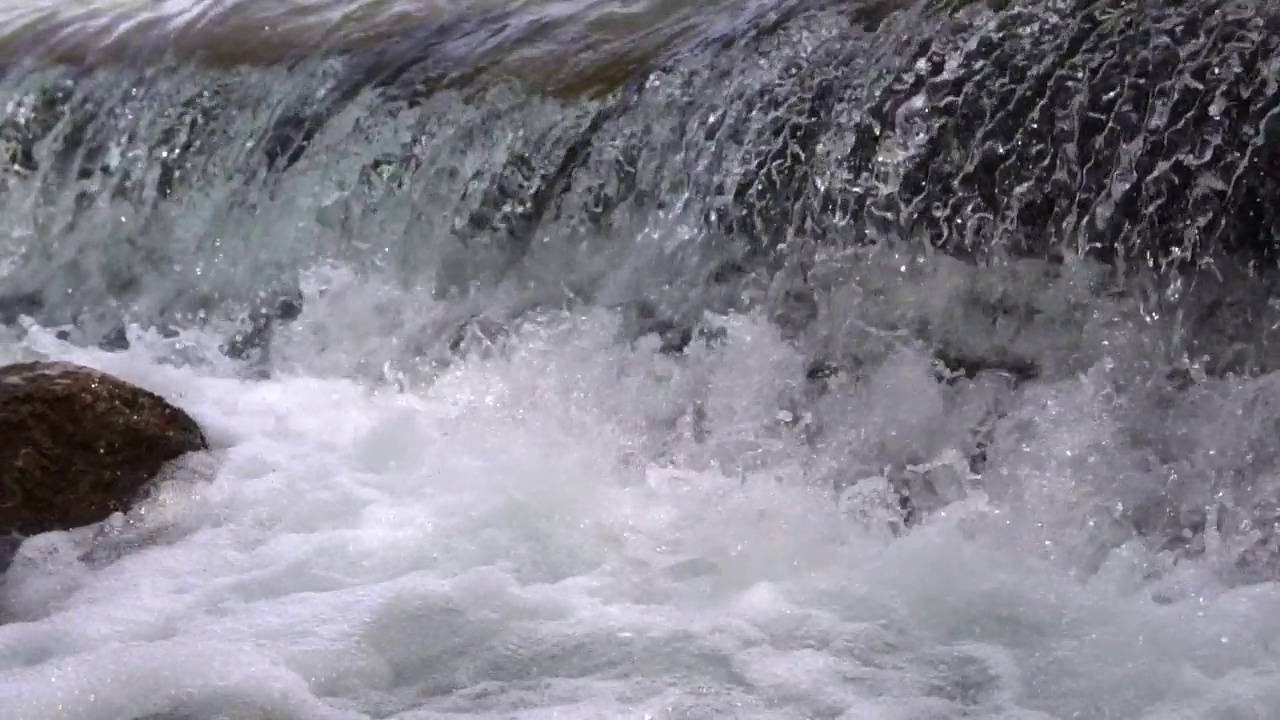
(643, 318)
(77, 445)
(821, 370)
(117, 340)
(961, 366)
(15, 306)
(253, 344)
(9, 545)
(479, 336)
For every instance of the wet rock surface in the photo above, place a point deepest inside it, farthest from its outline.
(77, 445)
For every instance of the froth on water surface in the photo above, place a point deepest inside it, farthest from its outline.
(824, 371)
(566, 524)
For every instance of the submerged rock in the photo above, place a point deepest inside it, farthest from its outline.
(77, 445)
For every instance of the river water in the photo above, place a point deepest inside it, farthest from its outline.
(645, 360)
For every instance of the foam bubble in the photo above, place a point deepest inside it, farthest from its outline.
(541, 532)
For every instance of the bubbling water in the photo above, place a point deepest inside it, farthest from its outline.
(764, 380)
(565, 524)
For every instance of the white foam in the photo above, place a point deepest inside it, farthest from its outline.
(538, 533)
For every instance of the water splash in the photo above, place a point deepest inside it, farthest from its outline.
(930, 352)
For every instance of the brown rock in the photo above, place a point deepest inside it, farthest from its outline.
(77, 444)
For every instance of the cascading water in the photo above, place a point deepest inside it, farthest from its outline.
(795, 359)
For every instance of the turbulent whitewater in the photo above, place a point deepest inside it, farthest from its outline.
(650, 360)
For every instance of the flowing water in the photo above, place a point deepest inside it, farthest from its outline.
(657, 360)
